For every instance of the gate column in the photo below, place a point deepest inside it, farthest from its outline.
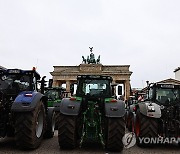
(127, 89)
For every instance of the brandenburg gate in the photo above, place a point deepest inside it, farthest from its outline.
(68, 74)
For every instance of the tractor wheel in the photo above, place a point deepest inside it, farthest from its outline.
(57, 120)
(145, 127)
(115, 132)
(3, 124)
(67, 132)
(29, 127)
(10, 131)
(50, 123)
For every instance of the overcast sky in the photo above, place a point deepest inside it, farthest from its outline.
(144, 34)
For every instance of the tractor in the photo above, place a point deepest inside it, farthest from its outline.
(92, 115)
(24, 113)
(131, 103)
(55, 95)
(157, 118)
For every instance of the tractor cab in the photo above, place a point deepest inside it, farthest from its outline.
(90, 86)
(13, 81)
(164, 94)
(54, 93)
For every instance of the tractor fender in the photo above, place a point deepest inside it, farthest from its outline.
(70, 107)
(143, 107)
(115, 109)
(27, 101)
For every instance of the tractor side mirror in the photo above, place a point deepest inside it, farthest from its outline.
(119, 90)
(50, 83)
(43, 84)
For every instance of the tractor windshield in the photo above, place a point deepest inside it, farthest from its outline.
(14, 83)
(52, 94)
(166, 96)
(93, 87)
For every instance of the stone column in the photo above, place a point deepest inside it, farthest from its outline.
(68, 83)
(114, 82)
(127, 89)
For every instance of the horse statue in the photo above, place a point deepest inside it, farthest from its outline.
(98, 60)
(84, 60)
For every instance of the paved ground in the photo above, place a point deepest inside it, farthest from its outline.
(7, 146)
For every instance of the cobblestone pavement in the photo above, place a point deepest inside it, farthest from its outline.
(50, 146)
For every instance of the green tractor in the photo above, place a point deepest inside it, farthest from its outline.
(92, 115)
(54, 95)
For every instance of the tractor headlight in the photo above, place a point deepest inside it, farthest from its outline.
(151, 108)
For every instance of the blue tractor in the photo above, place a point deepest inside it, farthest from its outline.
(24, 113)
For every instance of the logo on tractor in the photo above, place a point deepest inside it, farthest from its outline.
(129, 140)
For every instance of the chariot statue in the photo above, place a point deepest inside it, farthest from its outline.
(91, 58)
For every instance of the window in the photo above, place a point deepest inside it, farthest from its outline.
(16, 83)
(167, 95)
(94, 87)
(151, 93)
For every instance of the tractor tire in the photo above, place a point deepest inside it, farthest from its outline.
(29, 127)
(50, 127)
(57, 120)
(145, 127)
(115, 132)
(3, 124)
(10, 131)
(67, 132)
